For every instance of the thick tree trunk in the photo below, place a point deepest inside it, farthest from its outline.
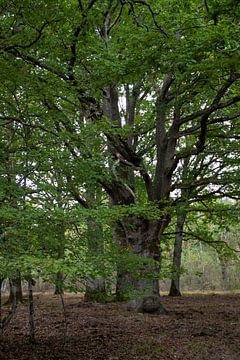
(123, 280)
(15, 285)
(140, 282)
(141, 236)
(121, 171)
(177, 256)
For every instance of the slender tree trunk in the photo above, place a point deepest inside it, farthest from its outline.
(224, 263)
(65, 319)
(59, 283)
(224, 272)
(202, 278)
(1, 281)
(181, 218)
(177, 255)
(6, 320)
(31, 312)
(13, 200)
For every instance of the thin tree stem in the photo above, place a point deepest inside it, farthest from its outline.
(6, 320)
(65, 319)
(31, 312)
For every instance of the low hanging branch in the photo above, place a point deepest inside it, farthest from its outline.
(197, 237)
(192, 236)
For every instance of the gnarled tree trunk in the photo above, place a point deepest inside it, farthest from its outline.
(140, 283)
(15, 286)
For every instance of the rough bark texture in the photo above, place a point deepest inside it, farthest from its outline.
(15, 283)
(140, 285)
(139, 235)
(123, 280)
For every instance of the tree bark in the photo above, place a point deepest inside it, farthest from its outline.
(224, 263)
(140, 283)
(139, 235)
(6, 320)
(1, 281)
(177, 255)
(15, 285)
(123, 280)
(59, 283)
(31, 312)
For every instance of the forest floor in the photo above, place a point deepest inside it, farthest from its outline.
(194, 328)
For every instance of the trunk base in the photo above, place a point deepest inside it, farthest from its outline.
(150, 304)
(58, 291)
(174, 291)
(19, 294)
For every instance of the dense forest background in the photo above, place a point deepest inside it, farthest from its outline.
(203, 272)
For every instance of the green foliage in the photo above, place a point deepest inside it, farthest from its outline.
(59, 151)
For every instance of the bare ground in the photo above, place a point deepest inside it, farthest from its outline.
(195, 328)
